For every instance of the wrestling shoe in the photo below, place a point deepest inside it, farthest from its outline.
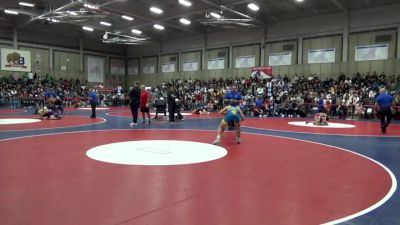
(217, 141)
(383, 129)
(237, 139)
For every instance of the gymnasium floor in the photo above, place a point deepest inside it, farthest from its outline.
(79, 171)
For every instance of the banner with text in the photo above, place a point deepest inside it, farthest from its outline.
(147, 69)
(133, 67)
(168, 67)
(321, 56)
(117, 66)
(190, 65)
(134, 70)
(280, 59)
(15, 60)
(372, 52)
(216, 64)
(245, 61)
(95, 69)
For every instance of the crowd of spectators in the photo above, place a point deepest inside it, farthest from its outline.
(278, 96)
(291, 97)
(31, 90)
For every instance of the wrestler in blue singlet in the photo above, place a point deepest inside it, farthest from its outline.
(232, 115)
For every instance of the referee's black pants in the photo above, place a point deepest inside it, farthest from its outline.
(93, 105)
(386, 116)
(134, 110)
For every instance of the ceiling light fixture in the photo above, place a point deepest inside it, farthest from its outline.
(185, 21)
(215, 15)
(185, 3)
(158, 27)
(26, 4)
(105, 23)
(105, 36)
(72, 13)
(90, 6)
(253, 6)
(88, 28)
(135, 31)
(127, 18)
(299, 0)
(11, 12)
(156, 10)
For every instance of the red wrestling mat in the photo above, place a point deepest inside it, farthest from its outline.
(11, 111)
(66, 121)
(187, 115)
(362, 128)
(264, 180)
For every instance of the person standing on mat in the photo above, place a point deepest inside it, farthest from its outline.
(233, 98)
(233, 115)
(93, 102)
(144, 103)
(384, 104)
(134, 97)
(171, 104)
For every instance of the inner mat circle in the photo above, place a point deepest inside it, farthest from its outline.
(17, 121)
(156, 152)
(330, 125)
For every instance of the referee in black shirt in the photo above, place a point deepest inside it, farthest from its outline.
(134, 97)
(171, 104)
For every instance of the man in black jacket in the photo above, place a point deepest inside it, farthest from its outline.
(171, 104)
(134, 97)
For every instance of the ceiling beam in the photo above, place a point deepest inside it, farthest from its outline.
(110, 2)
(340, 6)
(67, 6)
(227, 8)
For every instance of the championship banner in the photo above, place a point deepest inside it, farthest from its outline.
(264, 72)
(95, 69)
(245, 61)
(280, 59)
(133, 67)
(321, 56)
(15, 60)
(147, 69)
(190, 65)
(168, 67)
(134, 70)
(216, 64)
(117, 67)
(372, 52)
